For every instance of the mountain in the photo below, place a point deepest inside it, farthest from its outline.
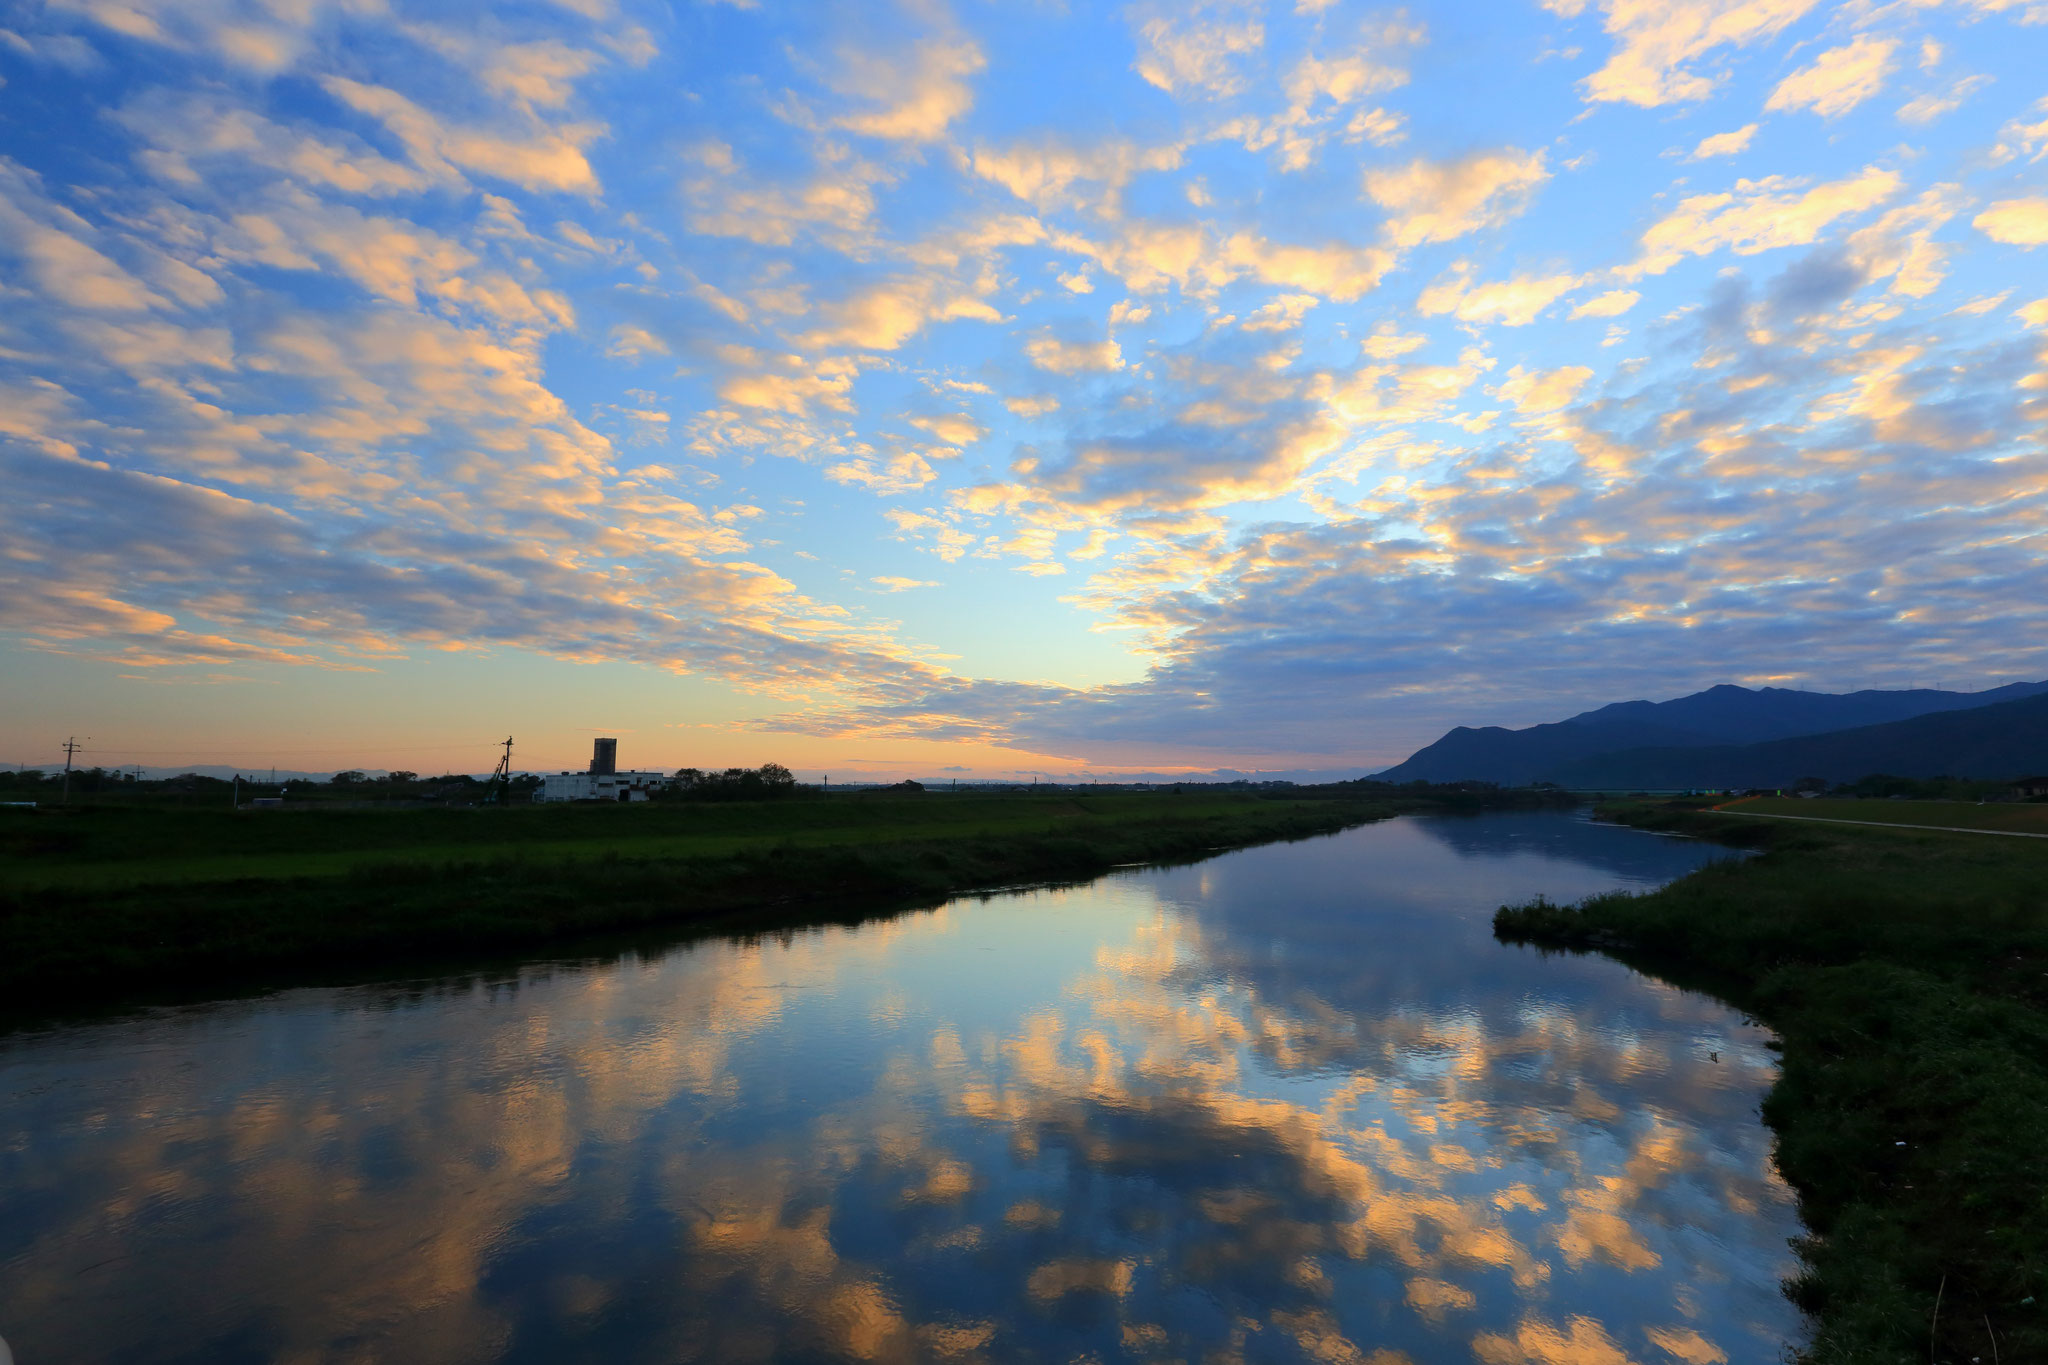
(2006, 740)
(1721, 715)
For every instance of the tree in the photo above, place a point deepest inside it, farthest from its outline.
(353, 777)
(770, 781)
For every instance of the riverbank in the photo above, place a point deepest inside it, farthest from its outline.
(2002, 817)
(98, 904)
(1906, 975)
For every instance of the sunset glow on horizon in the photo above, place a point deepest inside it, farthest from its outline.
(980, 390)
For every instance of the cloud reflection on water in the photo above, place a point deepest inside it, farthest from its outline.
(1281, 1105)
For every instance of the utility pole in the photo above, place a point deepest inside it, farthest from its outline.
(501, 780)
(71, 747)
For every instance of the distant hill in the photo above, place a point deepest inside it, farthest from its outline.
(2001, 741)
(1719, 716)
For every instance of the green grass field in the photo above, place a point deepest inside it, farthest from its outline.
(1906, 975)
(1998, 815)
(103, 849)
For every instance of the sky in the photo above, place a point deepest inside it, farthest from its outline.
(985, 389)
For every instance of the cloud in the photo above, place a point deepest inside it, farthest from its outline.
(1515, 302)
(374, 320)
(1611, 304)
(1172, 467)
(786, 383)
(65, 50)
(1345, 78)
(883, 316)
(1148, 256)
(1901, 246)
(263, 39)
(913, 97)
(191, 135)
(541, 73)
(545, 157)
(1334, 271)
(2019, 222)
(2020, 139)
(1655, 43)
(1283, 314)
(837, 202)
(1322, 84)
(1047, 174)
(1721, 529)
(1542, 391)
(1386, 343)
(892, 583)
(955, 429)
(903, 471)
(392, 258)
(61, 253)
(1839, 79)
(1758, 215)
(1436, 201)
(477, 511)
(1925, 109)
(944, 539)
(629, 342)
(1724, 144)
(1195, 47)
(1063, 356)
(1379, 127)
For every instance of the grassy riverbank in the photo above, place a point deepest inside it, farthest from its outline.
(94, 903)
(2009, 817)
(1906, 973)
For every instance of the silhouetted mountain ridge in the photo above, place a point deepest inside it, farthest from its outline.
(2005, 740)
(1721, 716)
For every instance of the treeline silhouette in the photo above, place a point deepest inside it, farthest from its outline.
(769, 782)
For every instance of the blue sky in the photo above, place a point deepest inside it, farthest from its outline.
(1004, 388)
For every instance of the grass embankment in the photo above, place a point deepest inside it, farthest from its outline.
(94, 903)
(1906, 975)
(114, 847)
(2004, 816)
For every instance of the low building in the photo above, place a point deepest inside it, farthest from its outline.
(603, 782)
(626, 786)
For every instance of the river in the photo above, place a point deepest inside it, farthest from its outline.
(1292, 1103)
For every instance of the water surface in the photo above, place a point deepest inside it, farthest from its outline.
(1290, 1104)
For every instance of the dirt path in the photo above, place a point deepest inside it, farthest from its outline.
(1880, 824)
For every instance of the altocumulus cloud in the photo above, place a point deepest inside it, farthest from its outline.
(1352, 403)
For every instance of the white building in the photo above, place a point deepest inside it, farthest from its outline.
(631, 786)
(603, 782)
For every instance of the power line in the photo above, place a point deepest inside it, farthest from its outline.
(353, 749)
